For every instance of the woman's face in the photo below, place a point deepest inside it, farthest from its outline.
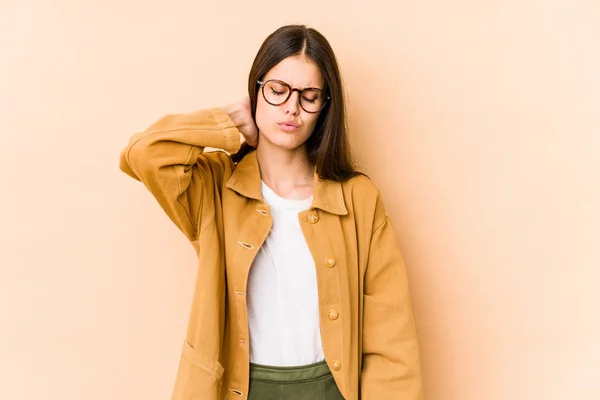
(288, 125)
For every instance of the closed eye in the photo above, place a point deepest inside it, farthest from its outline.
(276, 93)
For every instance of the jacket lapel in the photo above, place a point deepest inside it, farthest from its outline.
(246, 181)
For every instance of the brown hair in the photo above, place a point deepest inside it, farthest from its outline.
(328, 146)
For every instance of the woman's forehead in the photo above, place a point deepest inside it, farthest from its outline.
(298, 71)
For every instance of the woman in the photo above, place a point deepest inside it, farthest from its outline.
(301, 291)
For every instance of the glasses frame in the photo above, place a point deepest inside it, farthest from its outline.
(290, 91)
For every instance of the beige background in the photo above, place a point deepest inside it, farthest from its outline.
(479, 121)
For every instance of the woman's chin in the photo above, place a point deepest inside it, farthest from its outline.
(283, 140)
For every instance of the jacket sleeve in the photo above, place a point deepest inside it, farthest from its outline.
(391, 364)
(168, 159)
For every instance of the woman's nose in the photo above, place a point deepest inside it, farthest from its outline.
(292, 105)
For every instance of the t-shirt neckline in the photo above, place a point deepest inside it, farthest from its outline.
(273, 199)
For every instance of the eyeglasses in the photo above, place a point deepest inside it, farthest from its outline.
(275, 92)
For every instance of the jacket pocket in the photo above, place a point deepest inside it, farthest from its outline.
(198, 376)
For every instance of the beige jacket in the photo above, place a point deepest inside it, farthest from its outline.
(367, 327)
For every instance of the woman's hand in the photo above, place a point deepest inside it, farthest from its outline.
(241, 116)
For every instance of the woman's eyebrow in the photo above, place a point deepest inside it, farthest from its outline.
(299, 87)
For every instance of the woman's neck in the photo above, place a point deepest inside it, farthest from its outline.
(287, 172)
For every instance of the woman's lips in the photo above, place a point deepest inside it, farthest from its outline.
(289, 126)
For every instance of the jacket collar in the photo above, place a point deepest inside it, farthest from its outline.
(245, 180)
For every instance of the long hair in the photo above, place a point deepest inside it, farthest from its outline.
(327, 147)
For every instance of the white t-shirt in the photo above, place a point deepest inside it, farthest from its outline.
(283, 305)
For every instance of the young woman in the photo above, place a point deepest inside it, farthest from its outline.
(301, 291)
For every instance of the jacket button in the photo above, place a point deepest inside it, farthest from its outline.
(329, 262)
(313, 217)
(336, 365)
(332, 314)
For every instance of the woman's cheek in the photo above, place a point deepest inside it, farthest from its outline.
(260, 119)
(311, 123)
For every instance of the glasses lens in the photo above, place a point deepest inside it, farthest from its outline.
(275, 92)
(312, 100)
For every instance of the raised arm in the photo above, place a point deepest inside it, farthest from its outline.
(168, 159)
